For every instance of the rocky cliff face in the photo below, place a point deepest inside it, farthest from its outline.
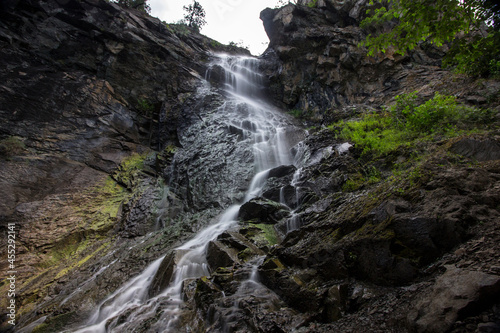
(322, 71)
(112, 155)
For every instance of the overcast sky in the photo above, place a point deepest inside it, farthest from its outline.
(227, 20)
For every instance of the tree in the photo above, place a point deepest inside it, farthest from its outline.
(402, 24)
(136, 4)
(195, 16)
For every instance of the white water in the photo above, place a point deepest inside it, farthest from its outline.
(294, 222)
(264, 129)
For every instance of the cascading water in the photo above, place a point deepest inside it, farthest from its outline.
(260, 127)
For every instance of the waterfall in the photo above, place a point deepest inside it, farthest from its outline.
(264, 130)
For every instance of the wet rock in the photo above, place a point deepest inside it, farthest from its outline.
(427, 237)
(263, 237)
(335, 303)
(137, 217)
(456, 294)
(261, 210)
(282, 171)
(221, 255)
(164, 274)
(289, 286)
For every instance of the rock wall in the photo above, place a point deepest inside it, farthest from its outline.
(321, 70)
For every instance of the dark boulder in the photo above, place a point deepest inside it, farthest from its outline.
(260, 210)
(456, 295)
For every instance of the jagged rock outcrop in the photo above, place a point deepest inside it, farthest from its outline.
(321, 69)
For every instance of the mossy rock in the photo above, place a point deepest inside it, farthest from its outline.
(12, 146)
(260, 210)
(57, 323)
(262, 235)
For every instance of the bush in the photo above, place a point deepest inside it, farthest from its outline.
(427, 116)
(438, 113)
(374, 133)
(407, 121)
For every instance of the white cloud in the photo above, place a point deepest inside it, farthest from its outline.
(227, 20)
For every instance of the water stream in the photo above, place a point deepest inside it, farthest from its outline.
(262, 127)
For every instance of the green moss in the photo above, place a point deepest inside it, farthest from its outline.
(312, 4)
(132, 162)
(246, 254)
(129, 170)
(12, 146)
(170, 149)
(57, 323)
(369, 176)
(99, 212)
(274, 263)
(378, 231)
(145, 107)
(81, 262)
(268, 232)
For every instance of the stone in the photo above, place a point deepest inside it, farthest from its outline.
(221, 255)
(259, 210)
(163, 276)
(480, 150)
(457, 294)
(322, 69)
(335, 303)
(281, 171)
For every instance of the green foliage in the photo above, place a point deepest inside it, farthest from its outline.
(145, 107)
(374, 133)
(239, 44)
(407, 122)
(441, 113)
(438, 22)
(426, 116)
(195, 16)
(312, 4)
(476, 55)
(215, 43)
(11, 146)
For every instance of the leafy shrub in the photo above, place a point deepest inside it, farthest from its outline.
(424, 117)
(438, 113)
(477, 56)
(407, 122)
(374, 133)
(180, 29)
(312, 4)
